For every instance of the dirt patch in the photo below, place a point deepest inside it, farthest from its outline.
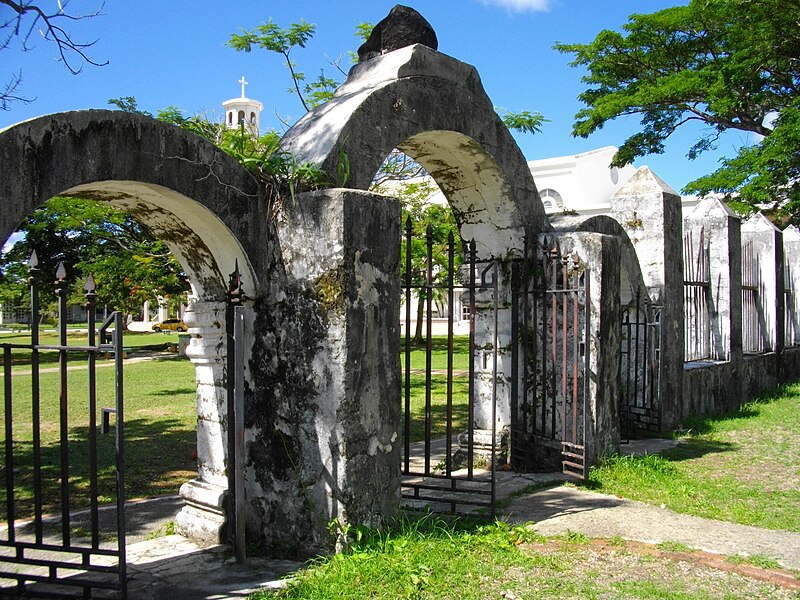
(620, 565)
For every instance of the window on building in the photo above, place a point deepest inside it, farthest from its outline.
(241, 116)
(551, 200)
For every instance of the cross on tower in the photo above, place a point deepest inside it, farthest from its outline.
(244, 82)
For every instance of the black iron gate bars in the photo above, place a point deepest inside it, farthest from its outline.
(550, 362)
(45, 555)
(439, 474)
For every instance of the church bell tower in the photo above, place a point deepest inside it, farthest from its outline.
(243, 110)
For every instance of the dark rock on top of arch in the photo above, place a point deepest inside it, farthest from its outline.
(402, 27)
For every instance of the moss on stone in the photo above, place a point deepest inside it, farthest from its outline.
(330, 289)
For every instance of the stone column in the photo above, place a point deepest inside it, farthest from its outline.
(791, 258)
(650, 212)
(767, 242)
(492, 343)
(203, 515)
(722, 232)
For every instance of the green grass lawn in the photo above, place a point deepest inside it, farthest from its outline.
(438, 353)
(160, 427)
(160, 432)
(438, 406)
(742, 467)
(473, 560)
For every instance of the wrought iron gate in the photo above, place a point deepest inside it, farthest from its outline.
(640, 353)
(446, 461)
(550, 362)
(55, 555)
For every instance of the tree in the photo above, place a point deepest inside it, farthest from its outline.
(273, 38)
(728, 64)
(128, 264)
(23, 21)
(426, 217)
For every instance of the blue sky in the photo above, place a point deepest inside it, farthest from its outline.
(173, 53)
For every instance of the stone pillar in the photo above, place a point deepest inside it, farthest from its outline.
(650, 212)
(600, 255)
(163, 308)
(203, 515)
(492, 343)
(722, 232)
(791, 259)
(767, 242)
(324, 422)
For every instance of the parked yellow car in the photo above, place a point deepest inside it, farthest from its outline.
(170, 325)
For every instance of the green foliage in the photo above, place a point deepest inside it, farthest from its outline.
(128, 264)
(128, 104)
(432, 223)
(729, 64)
(270, 36)
(364, 30)
(523, 121)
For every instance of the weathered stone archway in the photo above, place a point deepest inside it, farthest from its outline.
(433, 108)
(191, 195)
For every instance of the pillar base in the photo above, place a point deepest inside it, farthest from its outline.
(482, 449)
(203, 517)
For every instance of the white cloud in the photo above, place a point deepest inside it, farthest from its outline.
(520, 5)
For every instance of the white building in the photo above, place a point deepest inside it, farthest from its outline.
(583, 183)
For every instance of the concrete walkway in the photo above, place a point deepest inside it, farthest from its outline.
(557, 510)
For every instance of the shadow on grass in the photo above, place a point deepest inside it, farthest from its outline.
(176, 391)
(154, 452)
(695, 448)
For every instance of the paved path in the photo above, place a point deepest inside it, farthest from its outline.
(557, 510)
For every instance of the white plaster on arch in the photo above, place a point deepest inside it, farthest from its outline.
(475, 186)
(207, 250)
(435, 109)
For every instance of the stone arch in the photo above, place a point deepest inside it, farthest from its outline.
(193, 196)
(435, 109)
(189, 192)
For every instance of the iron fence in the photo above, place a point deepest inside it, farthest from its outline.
(639, 367)
(54, 556)
(696, 291)
(448, 465)
(752, 316)
(550, 362)
(791, 306)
